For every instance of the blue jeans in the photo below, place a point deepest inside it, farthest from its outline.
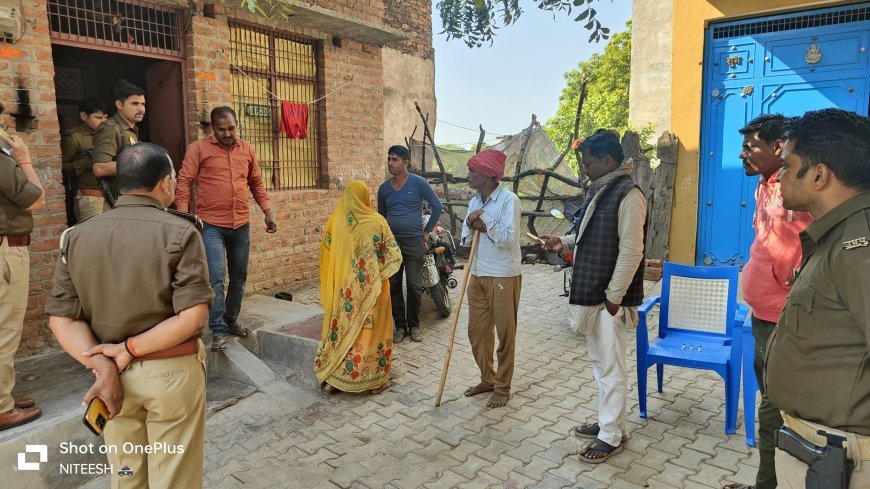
(226, 249)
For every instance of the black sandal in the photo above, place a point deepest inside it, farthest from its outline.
(589, 431)
(240, 331)
(599, 446)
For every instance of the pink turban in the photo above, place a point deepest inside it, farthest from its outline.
(488, 162)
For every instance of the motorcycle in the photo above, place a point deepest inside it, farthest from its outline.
(565, 260)
(439, 262)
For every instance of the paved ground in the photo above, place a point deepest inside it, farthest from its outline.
(400, 440)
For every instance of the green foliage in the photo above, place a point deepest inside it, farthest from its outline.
(271, 9)
(606, 104)
(475, 21)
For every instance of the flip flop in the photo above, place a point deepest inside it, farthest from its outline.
(589, 431)
(599, 446)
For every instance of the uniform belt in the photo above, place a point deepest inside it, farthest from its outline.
(807, 431)
(90, 192)
(189, 347)
(16, 240)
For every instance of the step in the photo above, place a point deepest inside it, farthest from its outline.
(58, 383)
(292, 346)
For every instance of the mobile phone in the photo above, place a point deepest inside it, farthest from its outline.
(537, 239)
(96, 416)
(4, 144)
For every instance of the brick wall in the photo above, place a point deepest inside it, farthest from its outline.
(412, 17)
(27, 88)
(352, 127)
(370, 11)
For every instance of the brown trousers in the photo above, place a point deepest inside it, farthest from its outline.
(164, 407)
(494, 301)
(14, 285)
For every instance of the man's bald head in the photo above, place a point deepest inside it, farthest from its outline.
(142, 166)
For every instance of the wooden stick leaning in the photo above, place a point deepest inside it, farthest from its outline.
(456, 315)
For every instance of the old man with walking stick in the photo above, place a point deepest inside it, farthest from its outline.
(496, 275)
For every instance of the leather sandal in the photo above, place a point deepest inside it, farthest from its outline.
(240, 331)
(589, 431)
(599, 446)
(219, 343)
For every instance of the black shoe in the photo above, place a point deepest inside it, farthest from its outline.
(398, 335)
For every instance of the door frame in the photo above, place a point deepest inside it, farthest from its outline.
(94, 44)
(708, 83)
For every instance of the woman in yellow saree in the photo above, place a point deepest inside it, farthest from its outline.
(357, 257)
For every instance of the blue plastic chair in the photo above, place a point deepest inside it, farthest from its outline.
(700, 326)
(750, 383)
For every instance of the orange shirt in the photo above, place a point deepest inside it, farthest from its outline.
(222, 178)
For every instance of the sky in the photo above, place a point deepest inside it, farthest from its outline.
(502, 85)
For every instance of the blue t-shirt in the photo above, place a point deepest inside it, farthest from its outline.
(403, 208)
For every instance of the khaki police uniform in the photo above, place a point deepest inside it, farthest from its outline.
(123, 272)
(817, 367)
(76, 146)
(113, 135)
(16, 194)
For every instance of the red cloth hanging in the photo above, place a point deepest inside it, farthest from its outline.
(294, 120)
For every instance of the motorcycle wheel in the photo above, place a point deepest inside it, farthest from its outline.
(441, 297)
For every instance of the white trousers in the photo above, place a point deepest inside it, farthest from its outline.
(605, 343)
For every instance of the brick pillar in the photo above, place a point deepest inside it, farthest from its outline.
(27, 90)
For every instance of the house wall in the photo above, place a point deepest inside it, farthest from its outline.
(352, 129)
(409, 72)
(690, 17)
(649, 98)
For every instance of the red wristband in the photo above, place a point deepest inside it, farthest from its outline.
(129, 346)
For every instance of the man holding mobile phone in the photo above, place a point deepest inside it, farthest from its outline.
(140, 330)
(21, 193)
(224, 168)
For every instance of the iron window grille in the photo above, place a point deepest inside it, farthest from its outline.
(798, 21)
(130, 25)
(269, 67)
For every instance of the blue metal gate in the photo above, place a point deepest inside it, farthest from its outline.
(787, 64)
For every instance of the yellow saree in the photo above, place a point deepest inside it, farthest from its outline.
(357, 257)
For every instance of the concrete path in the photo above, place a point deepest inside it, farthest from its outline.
(400, 440)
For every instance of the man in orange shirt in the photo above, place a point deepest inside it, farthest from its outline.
(767, 277)
(223, 168)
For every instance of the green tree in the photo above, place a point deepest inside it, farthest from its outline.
(475, 21)
(606, 104)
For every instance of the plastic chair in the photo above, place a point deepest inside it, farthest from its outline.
(700, 326)
(750, 383)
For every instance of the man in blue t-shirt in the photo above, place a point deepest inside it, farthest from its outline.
(400, 201)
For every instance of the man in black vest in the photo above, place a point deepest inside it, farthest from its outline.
(607, 282)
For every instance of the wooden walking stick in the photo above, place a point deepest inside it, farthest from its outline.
(456, 315)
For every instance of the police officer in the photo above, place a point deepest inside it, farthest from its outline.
(21, 193)
(76, 152)
(138, 324)
(817, 368)
(118, 132)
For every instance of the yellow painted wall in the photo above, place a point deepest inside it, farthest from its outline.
(690, 20)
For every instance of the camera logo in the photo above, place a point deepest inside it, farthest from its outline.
(23, 464)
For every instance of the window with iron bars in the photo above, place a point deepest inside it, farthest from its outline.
(270, 67)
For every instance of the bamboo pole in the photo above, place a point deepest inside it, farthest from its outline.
(522, 155)
(427, 134)
(474, 242)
